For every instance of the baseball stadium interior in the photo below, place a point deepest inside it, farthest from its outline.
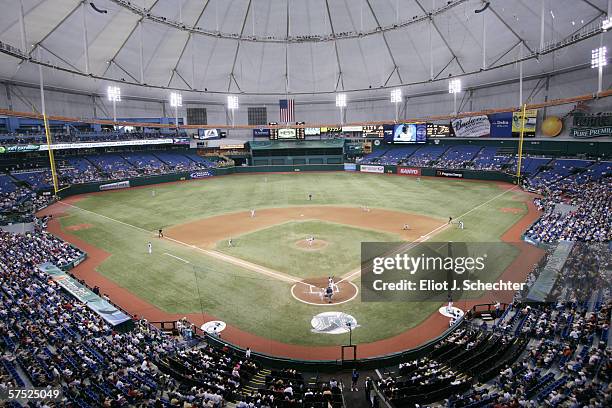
(190, 191)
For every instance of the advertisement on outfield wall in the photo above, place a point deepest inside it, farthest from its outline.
(528, 123)
(19, 148)
(350, 167)
(472, 126)
(352, 128)
(364, 168)
(201, 174)
(449, 173)
(588, 126)
(89, 145)
(409, 171)
(501, 124)
(115, 186)
(261, 133)
(312, 131)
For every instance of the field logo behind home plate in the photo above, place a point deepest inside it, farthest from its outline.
(333, 323)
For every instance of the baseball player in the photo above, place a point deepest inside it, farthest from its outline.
(310, 240)
(160, 233)
(309, 197)
(406, 227)
(230, 243)
(450, 220)
(253, 213)
(150, 248)
(460, 224)
(152, 193)
(329, 293)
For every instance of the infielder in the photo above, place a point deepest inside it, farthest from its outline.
(253, 213)
(230, 243)
(406, 227)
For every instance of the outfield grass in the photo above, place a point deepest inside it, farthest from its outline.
(341, 255)
(250, 301)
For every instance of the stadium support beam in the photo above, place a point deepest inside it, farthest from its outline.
(85, 40)
(141, 50)
(58, 25)
(399, 75)
(127, 38)
(9, 99)
(597, 8)
(187, 42)
(484, 40)
(124, 70)
(510, 28)
(231, 75)
(340, 80)
(58, 57)
(433, 23)
(22, 30)
(542, 20)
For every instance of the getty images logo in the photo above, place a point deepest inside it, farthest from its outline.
(423, 263)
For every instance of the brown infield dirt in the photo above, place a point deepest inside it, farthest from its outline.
(78, 227)
(308, 291)
(221, 227)
(426, 330)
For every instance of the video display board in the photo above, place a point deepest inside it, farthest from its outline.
(408, 133)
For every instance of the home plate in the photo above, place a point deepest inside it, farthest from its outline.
(456, 312)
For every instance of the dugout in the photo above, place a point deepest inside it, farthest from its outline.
(277, 152)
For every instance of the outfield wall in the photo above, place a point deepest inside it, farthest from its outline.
(223, 171)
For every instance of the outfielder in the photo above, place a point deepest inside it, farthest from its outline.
(150, 248)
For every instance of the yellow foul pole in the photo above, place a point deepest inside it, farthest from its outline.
(51, 158)
(520, 146)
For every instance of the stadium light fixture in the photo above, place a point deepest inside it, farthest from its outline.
(606, 24)
(232, 102)
(396, 95)
(454, 87)
(341, 104)
(114, 95)
(396, 98)
(176, 100)
(599, 59)
(232, 105)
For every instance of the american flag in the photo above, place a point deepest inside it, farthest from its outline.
(287, 112)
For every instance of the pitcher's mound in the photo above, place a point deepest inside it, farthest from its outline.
(309, 291)
(315, 245)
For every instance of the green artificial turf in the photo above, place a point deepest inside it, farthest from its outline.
(251, 301)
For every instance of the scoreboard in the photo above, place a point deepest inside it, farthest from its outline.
(435, 130)
(286, 133)
(374, 131)
(301, 134)
(273, 131)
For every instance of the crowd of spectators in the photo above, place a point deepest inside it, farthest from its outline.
(81, 137)
(57, 341)
(589, 218)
